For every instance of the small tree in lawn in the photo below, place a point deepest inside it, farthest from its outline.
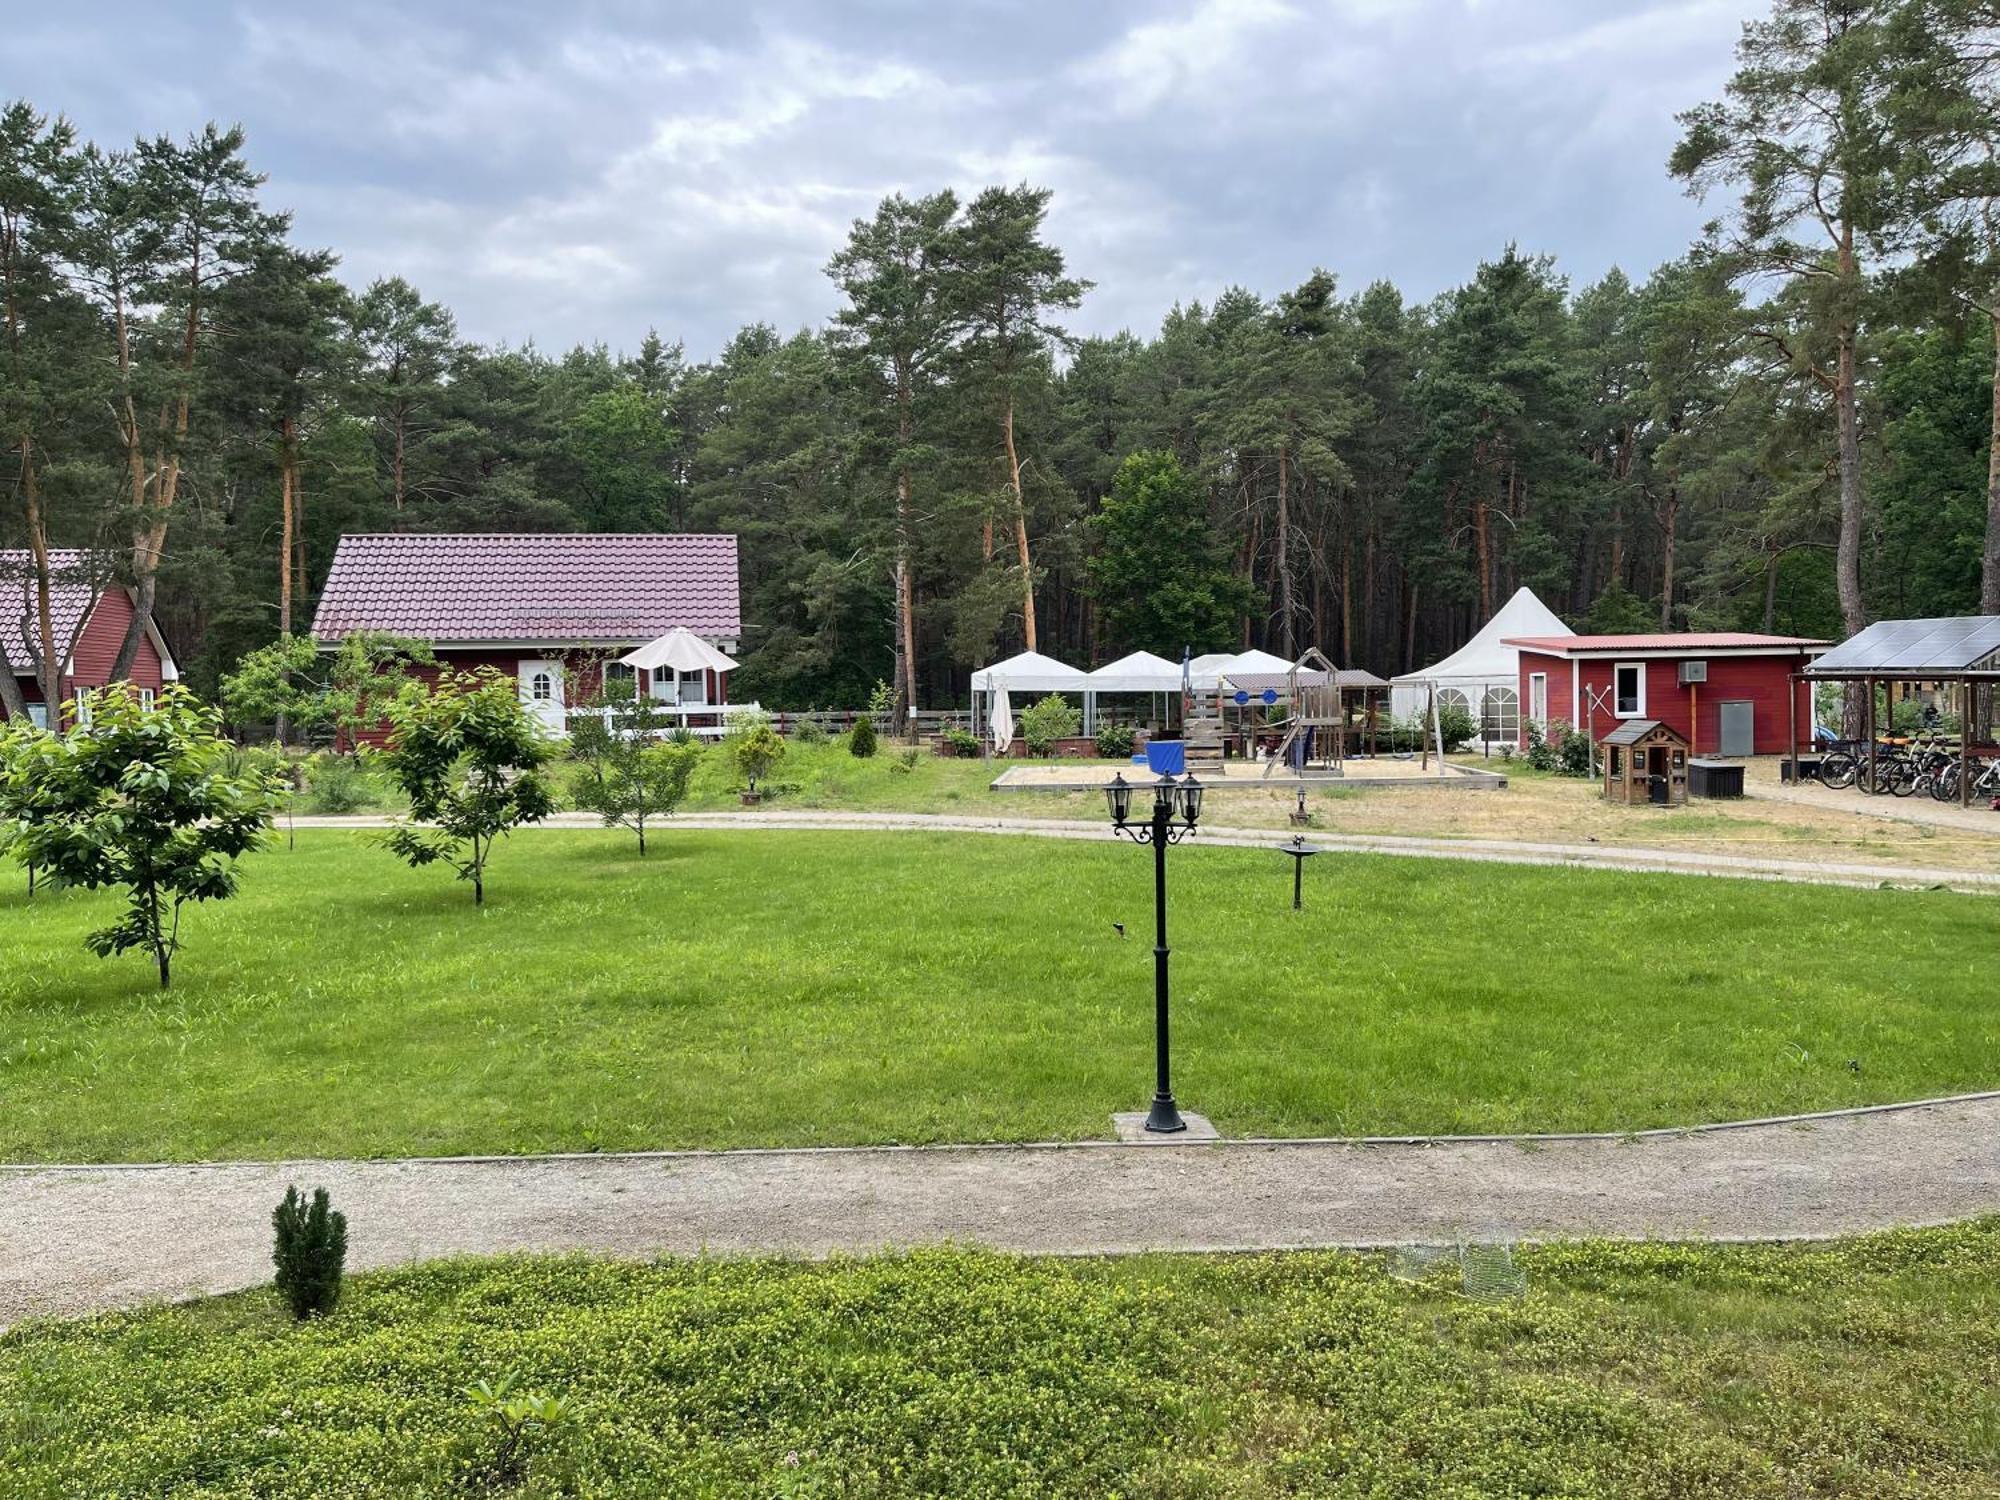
(628, 776)
(142, 800)
(309, 1250)
(756, 748)
(469, 757)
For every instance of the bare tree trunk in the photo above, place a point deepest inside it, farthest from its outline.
(396, 462)
(1410, 630)
(1020, 527)
(1284, 553)
(1347, 597)
(1989, 568)
(1846, 398)
(287, 527)
(1482, 532)
(1771, 590)
(1669, 523)
(906, 636)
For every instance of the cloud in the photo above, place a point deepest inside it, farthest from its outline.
(579, 173)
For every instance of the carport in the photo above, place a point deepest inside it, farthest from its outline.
(1962, 650)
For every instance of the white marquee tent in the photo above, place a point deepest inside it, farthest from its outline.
(1141, 672)
(1029, 673)
(1482, 676)
(1206, 672)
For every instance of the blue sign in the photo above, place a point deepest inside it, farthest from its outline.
(1242, 697)
(1270, 695)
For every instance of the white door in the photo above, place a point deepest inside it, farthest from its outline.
(542, 692)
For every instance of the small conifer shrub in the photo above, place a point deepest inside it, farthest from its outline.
(310, 1252)
(861, 741)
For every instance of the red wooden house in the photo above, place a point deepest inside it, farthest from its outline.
(553, 610)
(1725, 691)
(90, 614)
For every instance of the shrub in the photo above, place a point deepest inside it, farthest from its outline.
(1542, 756)
(1456, 728)
(808, 732)
(904, 763)
(756, 748)
(1114, 741)
(861, 739)
(1052, 719)
(962, 741)
(310, 1252)
(513, 1415)
(1573, 752)
(338, 784)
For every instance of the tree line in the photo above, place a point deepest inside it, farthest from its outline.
(1789, 427)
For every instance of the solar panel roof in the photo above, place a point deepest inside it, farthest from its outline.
(1963, 643)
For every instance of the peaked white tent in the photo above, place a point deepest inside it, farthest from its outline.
(1030, 672)
(1482, 676)
(1205, 672)
(1141, 672)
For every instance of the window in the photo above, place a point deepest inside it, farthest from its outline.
(82, 707)
(542, 688)
(146, 699)
(1500, 715)
(38, 715)
(1628, 690)
(1538, 697)
(618, 677)
(694, 687)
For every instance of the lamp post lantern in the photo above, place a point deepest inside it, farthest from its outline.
(1176, 810)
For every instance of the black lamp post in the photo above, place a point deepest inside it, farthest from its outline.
(1171, 800)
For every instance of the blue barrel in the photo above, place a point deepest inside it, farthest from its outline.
(1166, 757)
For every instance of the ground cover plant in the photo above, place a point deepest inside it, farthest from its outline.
(1865, 1370)
(932, 987)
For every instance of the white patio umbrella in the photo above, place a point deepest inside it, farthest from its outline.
(1002, 722)
(681, 649)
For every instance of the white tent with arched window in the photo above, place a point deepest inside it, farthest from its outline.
(1483, 676)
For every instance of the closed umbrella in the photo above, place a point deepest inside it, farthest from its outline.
(1002, 721)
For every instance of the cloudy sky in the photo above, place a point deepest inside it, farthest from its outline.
(568, 172)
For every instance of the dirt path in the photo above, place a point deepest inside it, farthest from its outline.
(1500, 851)
(79, 1239)
(1924, 812)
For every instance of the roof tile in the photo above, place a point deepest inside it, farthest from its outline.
(557, 587)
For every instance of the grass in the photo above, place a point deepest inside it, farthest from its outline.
(1863, 1370)
(770, 988)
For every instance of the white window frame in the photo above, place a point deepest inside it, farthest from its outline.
(538, 679)
(1538, 698)
(1618, 709)
(38, 715)
(146, 699)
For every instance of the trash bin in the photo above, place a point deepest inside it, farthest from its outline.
(1656, 790)
(1166, 757)
(1715, 778)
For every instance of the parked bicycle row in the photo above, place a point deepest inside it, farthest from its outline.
(1908, 767)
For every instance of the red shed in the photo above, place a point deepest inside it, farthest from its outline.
(89, 614)
(1725, 691)
(553, 610)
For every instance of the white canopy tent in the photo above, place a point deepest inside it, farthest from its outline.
(1029, 672)
(1482, 676)
(1140, 672)
(1205, 673)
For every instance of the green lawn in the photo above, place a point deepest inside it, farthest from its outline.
(1646, 1372)
(772, 987)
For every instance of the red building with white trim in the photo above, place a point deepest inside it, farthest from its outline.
(89, 614)
(1725, 690)
(550, 609)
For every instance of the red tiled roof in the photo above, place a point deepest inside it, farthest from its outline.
(75, 582)
(559, 587)
(1715, 640)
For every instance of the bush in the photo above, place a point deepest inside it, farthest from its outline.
(808, 732)
(1542, 756)
(310, 1252)
(1052, 719)
(338, 784)
(756, 748)
(904, 763)
(1114, 741)
(1573, 751)
(861, 739)
(962, 741)
(1456, 727)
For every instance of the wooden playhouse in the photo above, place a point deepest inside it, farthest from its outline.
(1645, 761)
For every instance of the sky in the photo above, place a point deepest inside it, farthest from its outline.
(581, 172)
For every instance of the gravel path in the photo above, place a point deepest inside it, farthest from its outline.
(79, 1239)
(1496, 851)
(1924, 812)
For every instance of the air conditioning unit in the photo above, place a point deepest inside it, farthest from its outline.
(1693, 671)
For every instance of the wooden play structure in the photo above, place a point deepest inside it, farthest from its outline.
(1316, 733)
(1645, 761)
